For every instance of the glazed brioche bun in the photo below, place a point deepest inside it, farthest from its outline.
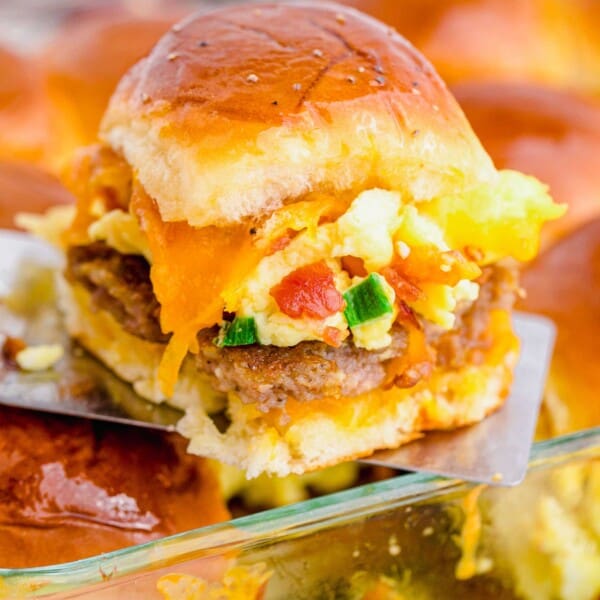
(73, 488)
(537, 41)
(83, 65)
(314, 99)
(563, 283)
(23, 112)
(353, 427)
(550, 134)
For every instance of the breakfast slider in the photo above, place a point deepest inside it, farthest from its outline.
(290, 231)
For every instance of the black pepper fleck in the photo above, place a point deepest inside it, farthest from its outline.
(202, 44)
(275, 103)
(414, 132)
(380, 80)
(378, 69)
(253, 231)
(415, 84)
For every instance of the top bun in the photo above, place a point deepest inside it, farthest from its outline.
(243, 109)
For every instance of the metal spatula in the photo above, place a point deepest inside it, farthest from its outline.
(495, 451)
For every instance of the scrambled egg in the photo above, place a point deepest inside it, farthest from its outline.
(376, 222)
(552, 549)
(269, 492)
(39, 358)
(120, 230)
(237, 583)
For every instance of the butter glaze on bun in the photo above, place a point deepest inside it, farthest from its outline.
(235, 113)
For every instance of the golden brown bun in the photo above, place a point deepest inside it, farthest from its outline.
(550, 134)
(83, 65)
(253, 442)
(26, 188)
(542, 41)
(318, 97)
(23, 112)
(72, 488)
(564, 284)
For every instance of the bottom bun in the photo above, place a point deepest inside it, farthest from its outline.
(302, 436)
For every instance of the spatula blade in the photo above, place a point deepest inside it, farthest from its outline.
(495, 451)
(78, 385)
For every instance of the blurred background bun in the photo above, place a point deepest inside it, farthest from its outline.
(27, 188)
(563, 283)
(552, 42)
(551, 134)
(73, 488)
(83, 64)
(23, 116)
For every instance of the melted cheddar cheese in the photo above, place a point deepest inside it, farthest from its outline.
(191, 271)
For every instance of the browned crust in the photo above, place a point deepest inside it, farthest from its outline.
(287, 59)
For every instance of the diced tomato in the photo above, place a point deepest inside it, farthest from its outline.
(354, 266)
(405, 290)
(407, 315)
(334, 337)
(308, 292)
(474, 254)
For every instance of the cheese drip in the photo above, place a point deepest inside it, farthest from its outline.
(191, 268)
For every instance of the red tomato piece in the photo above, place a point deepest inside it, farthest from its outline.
(308, 292)
(403, 287)
(334, 337)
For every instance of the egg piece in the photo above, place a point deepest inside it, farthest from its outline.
(39, 358)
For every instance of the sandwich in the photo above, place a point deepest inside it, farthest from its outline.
(289, 231)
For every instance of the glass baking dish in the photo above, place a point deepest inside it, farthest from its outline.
(407, 537)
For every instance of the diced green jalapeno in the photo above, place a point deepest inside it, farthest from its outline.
(367, 301)
(239, 332)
